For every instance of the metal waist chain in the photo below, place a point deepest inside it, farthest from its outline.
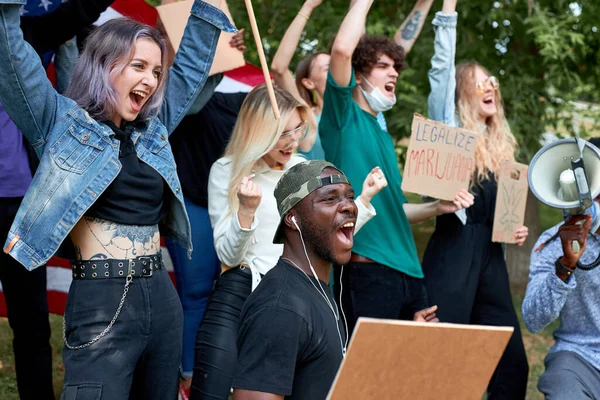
(107, 329)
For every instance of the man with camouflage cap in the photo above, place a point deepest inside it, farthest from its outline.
(291, 339)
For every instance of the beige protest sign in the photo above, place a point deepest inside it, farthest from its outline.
(511, 200)
(172, 19)
(402, 360)
(440, 159)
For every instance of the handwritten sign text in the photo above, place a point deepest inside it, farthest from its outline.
(440, 159)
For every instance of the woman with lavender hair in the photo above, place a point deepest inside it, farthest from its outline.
(107, 179)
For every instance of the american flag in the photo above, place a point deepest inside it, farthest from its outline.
(34, 8)
(238, 80)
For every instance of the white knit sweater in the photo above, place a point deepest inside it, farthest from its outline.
(253, 247)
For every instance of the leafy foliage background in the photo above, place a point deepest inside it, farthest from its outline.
(546, 54)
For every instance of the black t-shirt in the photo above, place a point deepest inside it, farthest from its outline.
(200, 140)
(136, 195)
(288, 343)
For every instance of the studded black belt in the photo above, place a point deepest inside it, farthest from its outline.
(139, 267)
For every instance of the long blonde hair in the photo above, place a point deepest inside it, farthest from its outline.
(498, 144)
(256, 132)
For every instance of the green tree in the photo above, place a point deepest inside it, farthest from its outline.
(544, 57)
(546, 54)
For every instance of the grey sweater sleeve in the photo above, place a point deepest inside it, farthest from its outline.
(546, 293)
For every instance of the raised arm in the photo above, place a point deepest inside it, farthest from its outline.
(232, 232)
(346, 41)
(442, 75)
(410, 29)
(192, 63)
(25, 92)
(50, 30)
(364, 27)
(280, 66)
(289, 43)
(237, 41)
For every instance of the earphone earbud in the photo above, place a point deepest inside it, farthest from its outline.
(322, 292)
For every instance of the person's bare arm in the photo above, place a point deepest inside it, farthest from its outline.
(241, 394)
(411, 27)
(364, 27)
(417, 213)
(280, 66)
(449, 7)
(346, 41)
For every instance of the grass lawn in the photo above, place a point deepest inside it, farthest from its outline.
(536, 345)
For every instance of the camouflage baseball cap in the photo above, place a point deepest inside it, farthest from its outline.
(297, 183)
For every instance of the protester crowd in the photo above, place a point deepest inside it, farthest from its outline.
(283, 231)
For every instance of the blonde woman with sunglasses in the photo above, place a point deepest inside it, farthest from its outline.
(465, 273)
(243, 212)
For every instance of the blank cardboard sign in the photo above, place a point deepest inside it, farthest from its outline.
(511, 200)
(412, 360)
(172, 19)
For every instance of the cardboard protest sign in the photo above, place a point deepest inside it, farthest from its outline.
(172, 19)
(511, 200)
(400, 360)
(440, 159)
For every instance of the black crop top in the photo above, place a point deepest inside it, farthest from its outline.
(136, 196)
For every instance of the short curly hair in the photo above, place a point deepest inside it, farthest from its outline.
(370, 48)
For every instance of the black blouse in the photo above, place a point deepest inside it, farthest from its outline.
(136, 196)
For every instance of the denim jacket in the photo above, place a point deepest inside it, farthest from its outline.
(442, 75)
(79, 157)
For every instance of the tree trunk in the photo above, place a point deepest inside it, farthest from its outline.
(517, 258)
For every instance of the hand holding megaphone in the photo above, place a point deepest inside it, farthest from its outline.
(574, 230)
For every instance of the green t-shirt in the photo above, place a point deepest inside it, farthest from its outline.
(354, 141)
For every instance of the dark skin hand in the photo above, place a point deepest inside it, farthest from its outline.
(241, 394)
(237, 40)
(426, 315)
(573, 229)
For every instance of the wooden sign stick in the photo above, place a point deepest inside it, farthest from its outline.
(261, 56)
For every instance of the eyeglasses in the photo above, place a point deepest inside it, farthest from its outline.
(491, 82)
(289, 136)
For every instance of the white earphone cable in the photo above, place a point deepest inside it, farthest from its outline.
(342, 306)
(322, 292)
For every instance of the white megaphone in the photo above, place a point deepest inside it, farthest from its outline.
(566, 174)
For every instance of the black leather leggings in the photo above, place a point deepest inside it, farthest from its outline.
(215, 358)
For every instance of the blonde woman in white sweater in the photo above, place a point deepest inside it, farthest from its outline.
(244, 216)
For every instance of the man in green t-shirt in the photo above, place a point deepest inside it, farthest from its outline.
(384, 276)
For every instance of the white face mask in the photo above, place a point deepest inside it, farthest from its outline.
(378, 101)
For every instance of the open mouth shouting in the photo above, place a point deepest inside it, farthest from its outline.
(390, 87)
(488, 106)
(138, 98)
(345, 233)
(488, 99)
